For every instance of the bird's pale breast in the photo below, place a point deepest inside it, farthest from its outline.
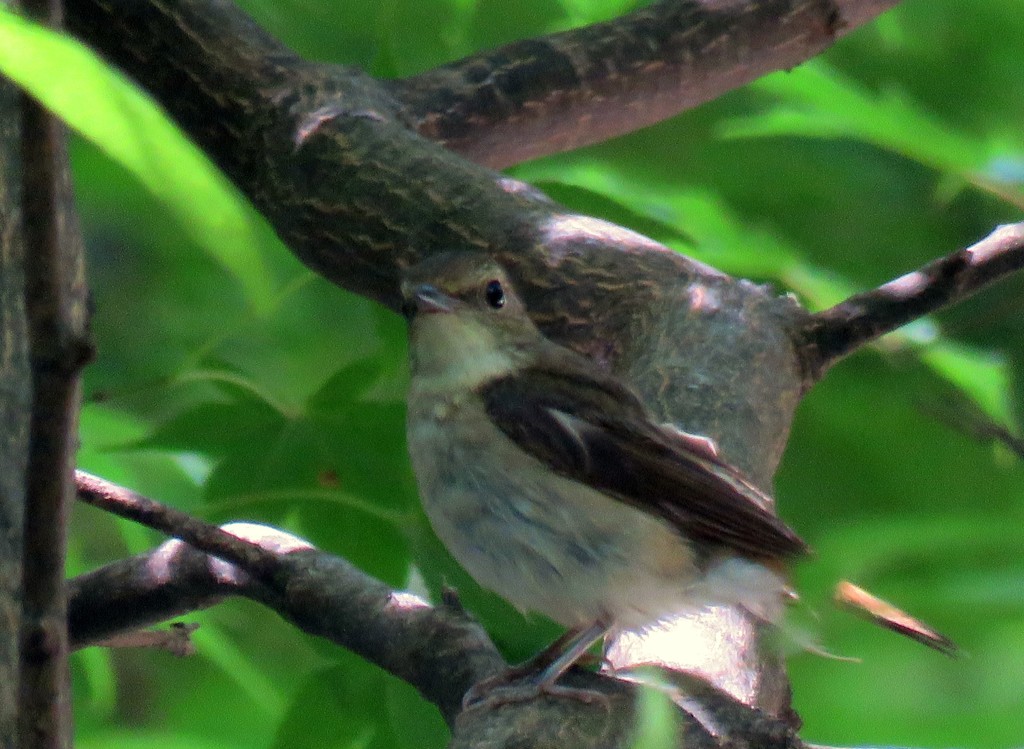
(539, 540)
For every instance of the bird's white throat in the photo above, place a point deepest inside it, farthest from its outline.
(450, 352)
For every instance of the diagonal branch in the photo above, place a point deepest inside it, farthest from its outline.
(828, 336)
(555, 93)
(318, 592)
(215, 541)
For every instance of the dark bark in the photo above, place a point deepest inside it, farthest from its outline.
(42, 315)
(15, 408)
(542, 96)
(58, 349)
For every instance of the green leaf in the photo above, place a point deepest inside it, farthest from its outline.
(101, 427)
(338, 707)
(217, 647)
(417, 723)
(334, 470)
(581, 12)
(983, 376)
(134, 738)
(216, 429)
(816, 101)
(656, 717)
(101, 105)
(692, 220)
(96, 669)
(345, 386)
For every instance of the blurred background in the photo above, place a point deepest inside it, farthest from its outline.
(234, 384)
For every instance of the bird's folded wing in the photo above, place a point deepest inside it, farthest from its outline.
(594, 430)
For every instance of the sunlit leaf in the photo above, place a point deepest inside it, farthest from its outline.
(982, 375)
(655, 719)
(129, 127)
(581, 12)
(218, 648)
(816, 101)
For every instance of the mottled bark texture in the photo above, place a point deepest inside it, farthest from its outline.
(540, 96)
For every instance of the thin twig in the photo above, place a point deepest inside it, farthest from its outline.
(826, 337)
(958, 412)
(209, 538)
(318, 592)
(176, 639)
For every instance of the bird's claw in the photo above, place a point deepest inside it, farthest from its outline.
(509, 688)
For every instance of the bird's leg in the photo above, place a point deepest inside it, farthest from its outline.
(554, 660)
(539, 674)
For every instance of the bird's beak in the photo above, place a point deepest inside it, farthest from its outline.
(427, 299)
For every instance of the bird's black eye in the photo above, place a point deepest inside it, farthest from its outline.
(494, 294)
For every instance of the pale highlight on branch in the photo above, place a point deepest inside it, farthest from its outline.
(828, 336)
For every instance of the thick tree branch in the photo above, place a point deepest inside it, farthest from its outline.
(828, 336)
(325, 155)
(550, 94)
(440, 651)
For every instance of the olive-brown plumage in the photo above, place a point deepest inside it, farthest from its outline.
(553, 485)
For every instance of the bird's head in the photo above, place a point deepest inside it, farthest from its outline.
(465, 319)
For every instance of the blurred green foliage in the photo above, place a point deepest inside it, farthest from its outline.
(234, 384)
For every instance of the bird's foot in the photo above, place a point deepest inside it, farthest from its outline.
(514, 686)
(538, 676)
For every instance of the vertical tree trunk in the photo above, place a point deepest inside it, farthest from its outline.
(43, 346)
(15, 407)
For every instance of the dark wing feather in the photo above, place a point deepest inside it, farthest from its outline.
(594, 430)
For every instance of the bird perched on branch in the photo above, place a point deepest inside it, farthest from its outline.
(553, 485)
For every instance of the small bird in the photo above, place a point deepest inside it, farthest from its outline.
(552, 484)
